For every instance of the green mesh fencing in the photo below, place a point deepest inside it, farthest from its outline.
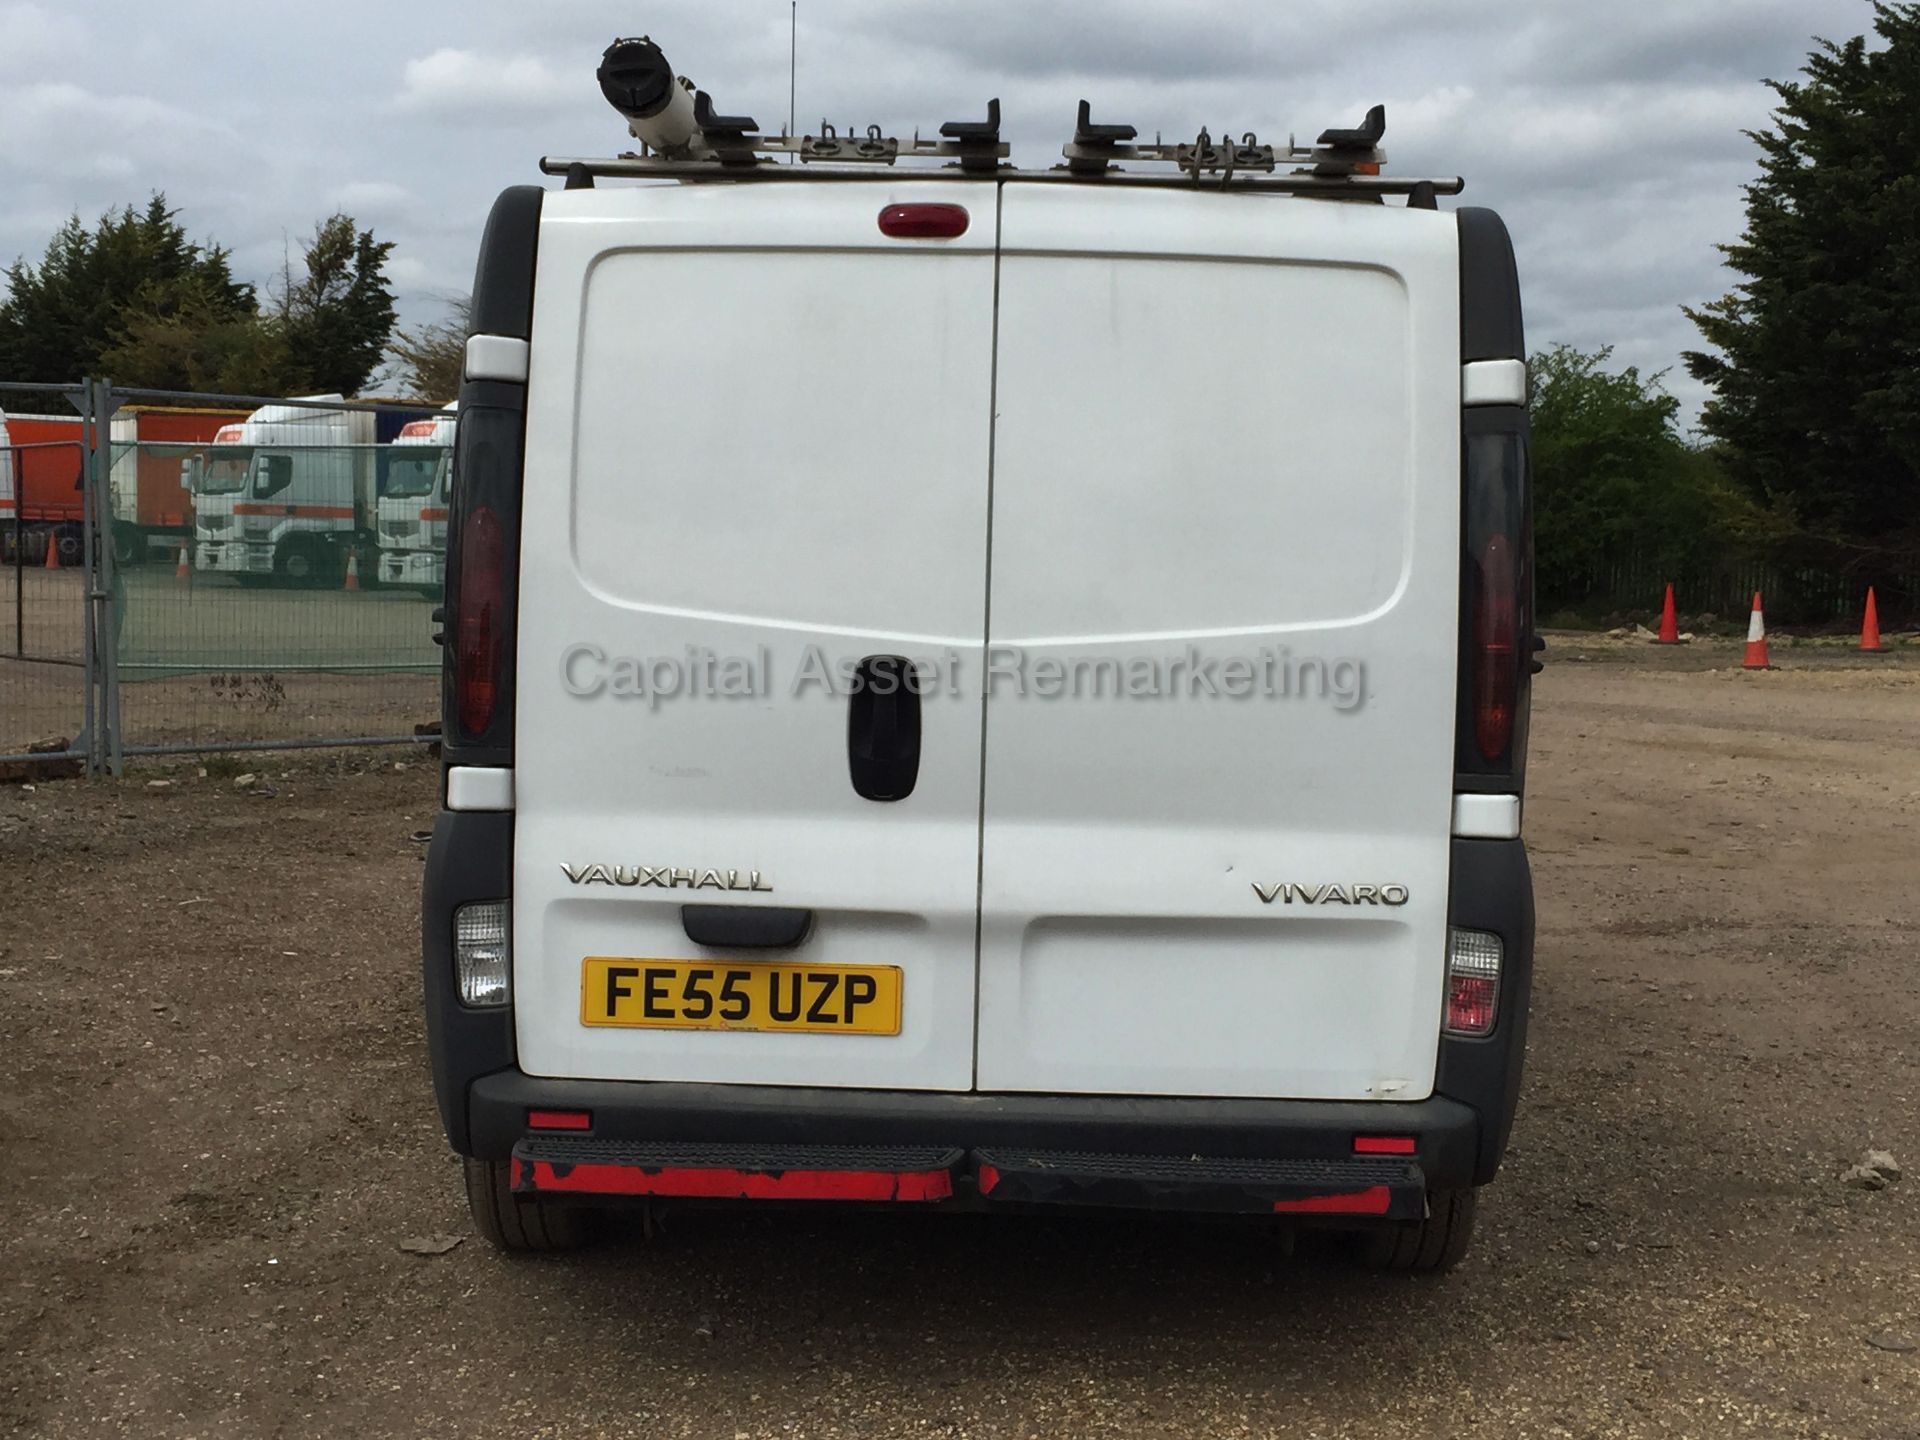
(283, 594)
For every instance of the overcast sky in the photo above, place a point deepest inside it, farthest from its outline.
(1608, 134)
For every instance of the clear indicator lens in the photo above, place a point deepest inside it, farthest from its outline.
(481, 957)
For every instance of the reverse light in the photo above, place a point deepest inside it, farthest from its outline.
(482, 958)
(1473, 981)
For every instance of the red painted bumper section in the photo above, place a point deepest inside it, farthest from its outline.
(581, 1166)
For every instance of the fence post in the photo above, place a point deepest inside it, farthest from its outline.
(89, 436)
(106, 405)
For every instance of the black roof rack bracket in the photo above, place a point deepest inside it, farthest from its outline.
(1371, 130)
(978, 141)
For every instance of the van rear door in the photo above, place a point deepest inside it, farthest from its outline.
(758, 432)
(1228, 429)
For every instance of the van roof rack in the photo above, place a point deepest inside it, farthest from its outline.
(683, 138)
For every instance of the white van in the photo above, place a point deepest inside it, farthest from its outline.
(987, 688)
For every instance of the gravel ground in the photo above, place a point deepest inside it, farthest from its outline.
(218, 1131)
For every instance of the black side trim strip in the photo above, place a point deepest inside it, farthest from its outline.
(1492, 889)
(503, 278)
(1490, 324)
(471, 858)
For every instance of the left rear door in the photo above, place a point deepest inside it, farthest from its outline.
(757, 430)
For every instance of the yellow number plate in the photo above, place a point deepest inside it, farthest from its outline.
(740, 995)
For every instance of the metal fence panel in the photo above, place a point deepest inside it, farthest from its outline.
(271, 623)
(45, 677)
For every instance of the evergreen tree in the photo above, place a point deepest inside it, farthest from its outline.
(1816, 378)
(336, 318)
(61, 316)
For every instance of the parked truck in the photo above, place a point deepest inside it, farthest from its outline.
(41, 502)
(150, 506)
(413, 504)
(288, 495)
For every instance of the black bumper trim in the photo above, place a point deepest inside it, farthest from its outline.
(1446, 1132)
(1380, 1189)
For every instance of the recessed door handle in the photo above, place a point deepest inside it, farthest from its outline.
(883, 728)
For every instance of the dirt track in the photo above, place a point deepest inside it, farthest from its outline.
(218, 1128)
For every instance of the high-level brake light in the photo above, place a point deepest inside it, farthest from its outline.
(924, 221)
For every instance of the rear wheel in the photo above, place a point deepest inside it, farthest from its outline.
(1428, 1246)
(509, 1222)
(129, 546)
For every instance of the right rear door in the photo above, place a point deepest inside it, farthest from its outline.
(1248, 455)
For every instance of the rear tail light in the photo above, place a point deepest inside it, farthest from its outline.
(1496, 613)
(1496, 647)
(482, 957)
(480, 608)
(1473, 981)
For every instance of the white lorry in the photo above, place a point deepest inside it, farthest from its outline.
(984, 687)
(412, 523)
(289, 498)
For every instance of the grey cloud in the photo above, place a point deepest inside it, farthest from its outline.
(1609, 135)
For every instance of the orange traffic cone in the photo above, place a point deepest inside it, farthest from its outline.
(1669, 622)
(1756, 639)
(1870, 627)
(181, 570)
(53, 549)
(353, 570)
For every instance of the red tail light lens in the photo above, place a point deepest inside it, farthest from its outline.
(480, 611)
(1470, 1004)
(1473, 981)
(924, 222)
(1496, 647)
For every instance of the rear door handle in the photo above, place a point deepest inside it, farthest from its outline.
(883, 728)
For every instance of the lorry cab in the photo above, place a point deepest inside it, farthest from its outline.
(287, 497)
(412, 527)
(1029, 710)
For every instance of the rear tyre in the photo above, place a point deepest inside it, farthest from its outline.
(1424, 1247)
(129, 547)
(511, 1223)
(301, 565)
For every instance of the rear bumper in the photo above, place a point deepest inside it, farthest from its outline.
(1238, 1135)
(573, 1166)
(1459, 1133)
